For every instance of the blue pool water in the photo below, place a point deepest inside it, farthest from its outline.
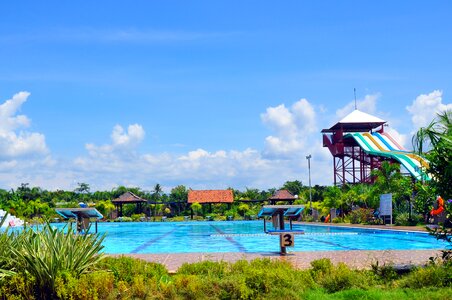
(248, 236)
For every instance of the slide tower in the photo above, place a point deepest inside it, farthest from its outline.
(359, 145)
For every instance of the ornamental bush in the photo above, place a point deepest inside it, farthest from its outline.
(46, 253)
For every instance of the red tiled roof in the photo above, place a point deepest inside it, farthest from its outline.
(282, 195)
(210, 196)
(128, 197)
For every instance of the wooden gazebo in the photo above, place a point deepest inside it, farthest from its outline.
(282, 195)
(128, 198)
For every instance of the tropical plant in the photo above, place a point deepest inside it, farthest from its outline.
(82, 188)
(333, 198)
(49, 252)
(179, 194)
(294, 187)
(157, 191)
(435, 141)
(387, 178)
(6, 242)
(423, 200)
(196, 207)
(250, 194)
(243, 209)
(105, 207)
(361, 216)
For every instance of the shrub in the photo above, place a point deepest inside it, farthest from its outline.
(430, 276)
(177, 219)
(386, 273)
(192, 287)
(234, 287)
(338, 220)
(96, 285)
(265, 276)
(323, 265)
(337, 278)
(17, 286)
(207, 268)
(123, 219)
(47, 253)
(137, 217)
(243, 209)
(402, 219)
(126, 268)
(361, 216)
(43, 256)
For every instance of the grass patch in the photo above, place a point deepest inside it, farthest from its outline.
(127, 278)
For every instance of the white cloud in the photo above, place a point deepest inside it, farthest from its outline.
(134, 135)
(367, 105)
(109, 165)
(400, 138)
(425, 108)
(14, 141)
(121, 142)
(292, 127)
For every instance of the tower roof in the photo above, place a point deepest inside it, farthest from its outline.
(356, 121)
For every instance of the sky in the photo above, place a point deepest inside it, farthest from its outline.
(208, 94)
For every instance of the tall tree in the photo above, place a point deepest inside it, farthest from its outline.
(294, 187)
(179, 194)
(333, 197)
(389, 180)
(386, 178)
(82, 188)
(157, 193)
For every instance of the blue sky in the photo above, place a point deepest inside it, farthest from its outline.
(208, 94)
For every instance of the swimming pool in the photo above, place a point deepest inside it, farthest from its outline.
(248, 236)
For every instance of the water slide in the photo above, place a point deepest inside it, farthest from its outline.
(384, 145)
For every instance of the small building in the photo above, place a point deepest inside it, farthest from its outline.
(210, 196)
(282, 195)
(128, 198)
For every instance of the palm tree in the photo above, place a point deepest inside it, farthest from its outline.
(438, 131)
(156, 196)
(387, 177)
(157, 191)
(437, 139)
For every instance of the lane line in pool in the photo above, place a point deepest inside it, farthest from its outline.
(405, 240)
(265, 234)
(329, 243)
(152, 241)
(229, 239)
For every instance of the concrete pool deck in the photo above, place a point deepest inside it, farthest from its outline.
(360, 259)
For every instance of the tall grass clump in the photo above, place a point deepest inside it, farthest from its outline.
(337, 278)
(43, 255)
(257, 279)
(434, 275)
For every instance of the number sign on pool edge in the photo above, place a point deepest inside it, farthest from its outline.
(287, 240)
